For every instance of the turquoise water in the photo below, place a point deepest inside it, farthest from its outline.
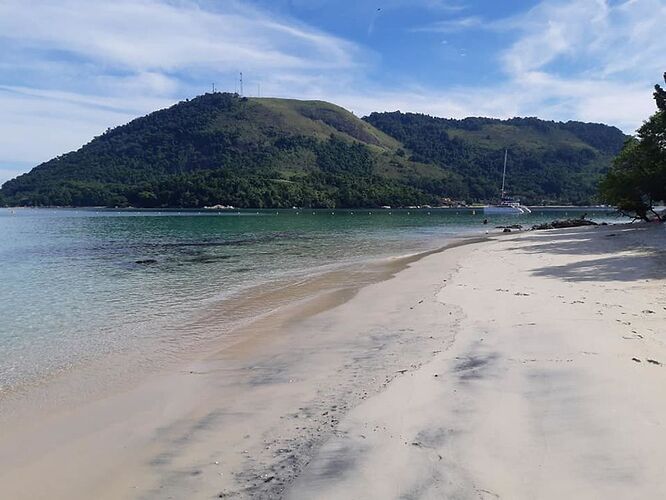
(77, 285)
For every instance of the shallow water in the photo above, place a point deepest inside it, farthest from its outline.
(78, 285)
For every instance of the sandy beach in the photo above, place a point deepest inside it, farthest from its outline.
(527, 365)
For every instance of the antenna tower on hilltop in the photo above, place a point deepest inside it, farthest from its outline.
(241, 84)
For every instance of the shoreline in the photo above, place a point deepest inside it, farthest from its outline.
(57, 421)
(282, 411)
(234, 314)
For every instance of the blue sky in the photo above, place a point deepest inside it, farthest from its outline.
(71, 68)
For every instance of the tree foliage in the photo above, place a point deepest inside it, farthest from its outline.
(224, 149)
(549, 162)
(637, 180)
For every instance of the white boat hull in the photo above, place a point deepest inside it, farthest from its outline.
(506, 210)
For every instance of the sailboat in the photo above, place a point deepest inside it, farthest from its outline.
(507, 205)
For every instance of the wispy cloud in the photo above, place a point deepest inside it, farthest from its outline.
(609, 40)
(596, 59)
(451, 25)
(150, 35)
(436, 5)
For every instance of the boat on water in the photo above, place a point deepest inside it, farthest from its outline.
(507, 204)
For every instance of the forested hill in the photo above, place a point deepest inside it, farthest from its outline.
(548, 162)
(257, 152)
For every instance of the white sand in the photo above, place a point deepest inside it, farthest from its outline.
(538, 397)
(500, 369)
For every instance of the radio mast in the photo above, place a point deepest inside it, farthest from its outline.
(241, 84)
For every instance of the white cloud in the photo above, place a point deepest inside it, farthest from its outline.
(41, 124)
(451, 25)
(156, 35)
(596, 60)
(622, 41)
(437, 5)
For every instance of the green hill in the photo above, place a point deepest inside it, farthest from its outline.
(258, 152)
(548, 162)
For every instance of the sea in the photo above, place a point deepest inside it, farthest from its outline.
(81, 286)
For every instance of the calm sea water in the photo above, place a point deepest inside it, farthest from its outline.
(73, 287)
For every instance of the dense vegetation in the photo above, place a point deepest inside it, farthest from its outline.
(549, 162)
(637, 180)
(224, 149)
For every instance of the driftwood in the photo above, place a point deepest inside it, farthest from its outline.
(559, 224)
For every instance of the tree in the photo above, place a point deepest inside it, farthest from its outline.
(637, 180)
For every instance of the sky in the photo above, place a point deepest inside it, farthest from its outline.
(70, 69)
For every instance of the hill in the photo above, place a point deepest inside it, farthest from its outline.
(548, 162)
(220, 148)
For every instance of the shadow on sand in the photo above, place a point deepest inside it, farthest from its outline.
(624, 253)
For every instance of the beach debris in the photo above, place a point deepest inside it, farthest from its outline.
(560, 224)
(146, 261)
(402, 371)
(521, 294)
(512, 226)
(506, 230)
(648, 311)
(654, 362)
(636, 360)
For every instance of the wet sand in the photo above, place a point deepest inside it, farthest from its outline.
(497, 369)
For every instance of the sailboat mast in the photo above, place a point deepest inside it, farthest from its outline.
(506, 151)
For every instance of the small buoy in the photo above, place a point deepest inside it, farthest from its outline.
(473, 212)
